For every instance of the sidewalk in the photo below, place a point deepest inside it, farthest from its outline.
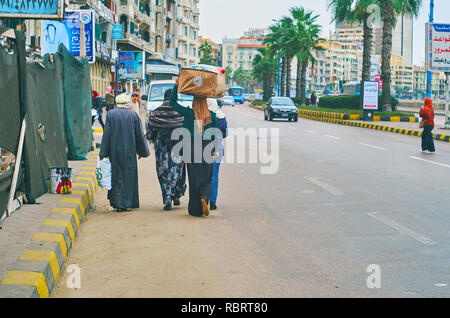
(36, 239)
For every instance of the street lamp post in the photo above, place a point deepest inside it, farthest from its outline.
(429, 73)
(278, 75)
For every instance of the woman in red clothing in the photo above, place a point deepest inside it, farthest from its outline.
(427, 113)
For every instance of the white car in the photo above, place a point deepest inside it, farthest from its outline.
(228, 100)
(155, 95)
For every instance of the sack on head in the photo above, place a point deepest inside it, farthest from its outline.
(203, 81)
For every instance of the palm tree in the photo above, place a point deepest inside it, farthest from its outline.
(391, 9)
(303, 38)
(264, 67)
(356, 11)
(276, 41)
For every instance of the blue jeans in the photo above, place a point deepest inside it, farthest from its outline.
(215, 182)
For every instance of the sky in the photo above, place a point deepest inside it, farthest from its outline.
(231, 18)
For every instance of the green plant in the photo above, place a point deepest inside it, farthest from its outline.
(349, 102)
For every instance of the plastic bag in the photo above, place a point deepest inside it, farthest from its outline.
(104, 172)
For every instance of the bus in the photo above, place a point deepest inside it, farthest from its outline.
(352, 88)
(238, 94)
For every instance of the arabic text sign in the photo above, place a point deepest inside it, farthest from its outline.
(68, 33)
(370, 95)
(439, 47)
(50, 9)
(117, 31)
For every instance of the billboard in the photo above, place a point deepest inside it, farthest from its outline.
(68, 32)
(438, 47)
(370, 95)
(131, 65)
(27, 9)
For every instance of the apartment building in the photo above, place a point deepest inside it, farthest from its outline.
(187, 32)
(402, 37)
(420, 82)
(401, 75)
(166, 30)
(343, 64)
(239, 53)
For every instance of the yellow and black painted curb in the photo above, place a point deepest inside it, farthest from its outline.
(408, 132)
(257, 106)
(305, 112)
(35, 272)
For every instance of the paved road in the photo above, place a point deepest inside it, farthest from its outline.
(342, 199)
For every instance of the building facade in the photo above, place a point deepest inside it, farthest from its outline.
(402, 37)
(165, 30)
(420, 83)
(239, 53)
(401, 75)
(187, 32)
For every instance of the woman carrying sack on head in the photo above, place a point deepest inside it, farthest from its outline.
(197, 120)
(427, 115)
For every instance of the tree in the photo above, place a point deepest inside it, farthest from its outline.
(206, 53)
(228, 75)
(357, 11)
(243, 78)
(264, 68)
(276, 41)
(391, 9)
(303, 38)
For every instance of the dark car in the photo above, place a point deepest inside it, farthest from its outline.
(281, 107)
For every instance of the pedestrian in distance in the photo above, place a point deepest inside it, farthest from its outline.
(97, 105)
(139, 100)
(313, 99)
(135, 104)
(427, 114)
(171, 173)
(197, 121)
(109, 98)
(222, 125)
(123, 138)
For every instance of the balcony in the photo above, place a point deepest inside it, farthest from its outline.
(182, 37)
(182, 56)
(133, 40)
(140, 17)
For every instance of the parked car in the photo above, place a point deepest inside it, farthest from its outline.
(280, 107)
(228, 100)
(246, 97)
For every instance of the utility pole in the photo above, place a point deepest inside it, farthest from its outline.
(429, 73)
(278, 75)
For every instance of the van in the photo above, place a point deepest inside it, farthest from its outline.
(155, 95)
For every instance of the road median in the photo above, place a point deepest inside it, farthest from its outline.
(328, 117)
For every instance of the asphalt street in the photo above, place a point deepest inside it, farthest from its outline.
(343, 201)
